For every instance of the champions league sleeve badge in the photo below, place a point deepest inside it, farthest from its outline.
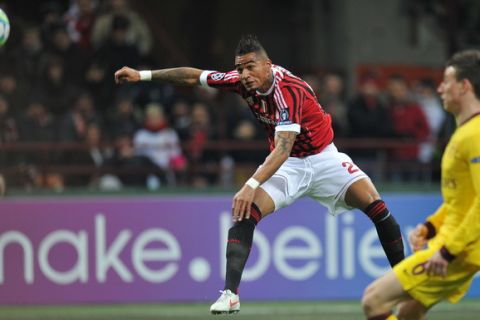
(218, 76)
(284, 117)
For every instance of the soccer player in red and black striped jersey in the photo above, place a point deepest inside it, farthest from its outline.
(303, 160)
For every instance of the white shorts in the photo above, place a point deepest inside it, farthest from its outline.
(324, 177)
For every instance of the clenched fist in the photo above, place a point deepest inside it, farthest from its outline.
(127, 74)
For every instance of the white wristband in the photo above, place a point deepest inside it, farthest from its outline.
(252, 183)
(145, 75)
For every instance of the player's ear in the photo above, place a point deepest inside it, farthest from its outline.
(467, 85)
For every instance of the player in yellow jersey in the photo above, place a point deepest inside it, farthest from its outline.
(445, 269)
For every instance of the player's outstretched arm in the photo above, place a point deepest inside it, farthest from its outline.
(182, 76)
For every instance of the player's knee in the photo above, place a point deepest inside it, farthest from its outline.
(361, 194)
(369, 300)
(372, 302)
(410, 312)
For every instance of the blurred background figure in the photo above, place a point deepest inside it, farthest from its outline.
(80, 19)
(181, 119)
(131, 169)
(138, 34)
(409, 124)
(369, 118)
(123, 119)
(54, 88)
(74, 124)
(200, 133)
(8, 124)
(332, 99)
(428, 100)
(28, 57)
(160, 143)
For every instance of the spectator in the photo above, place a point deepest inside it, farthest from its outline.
(130, 168)
(74, 59)
(116, 51)
(37, 125)
(428, 100)
(52, 17)
(75, 123)
(367, 115)
(94, 156)
(181, 119)
(200, 133)
(157, 141)
(409, 122)
(8, 133)
(138, 35)
(368, 118)
(123, 120)
(246, 131)
(11, 91)
(54, 90)
(8, 125)
(27, 58)
(332, 99)
(80, 19)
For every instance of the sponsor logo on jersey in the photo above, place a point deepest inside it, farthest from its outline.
(264, 119)
(218, 76)
(475, 160)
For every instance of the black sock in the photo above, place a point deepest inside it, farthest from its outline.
(240, 237)
(388, 231)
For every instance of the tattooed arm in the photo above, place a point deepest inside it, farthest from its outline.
(283, 146)
(242, 201)
(183, 76)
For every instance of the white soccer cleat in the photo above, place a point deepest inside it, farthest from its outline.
(228, 302)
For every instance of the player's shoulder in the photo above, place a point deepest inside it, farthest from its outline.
(467, 135)
(285, 77)
(471, 128)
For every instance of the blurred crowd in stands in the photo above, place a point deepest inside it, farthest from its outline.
(56, 86)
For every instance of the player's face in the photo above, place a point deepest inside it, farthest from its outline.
(254, 70)
(451, 90)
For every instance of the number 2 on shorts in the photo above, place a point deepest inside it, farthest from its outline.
(351, 168)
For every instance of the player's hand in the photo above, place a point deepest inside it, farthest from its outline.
(436, 265)
(242, 202)
(127, 74)
(417, 238)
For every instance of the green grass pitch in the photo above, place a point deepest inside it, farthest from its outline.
(331, 310)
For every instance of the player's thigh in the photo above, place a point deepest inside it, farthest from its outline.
(333, 174)
(287, 185)
(386, 290)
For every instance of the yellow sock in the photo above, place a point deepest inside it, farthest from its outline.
(392, 317)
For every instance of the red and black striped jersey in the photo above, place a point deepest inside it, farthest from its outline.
(289, 105)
